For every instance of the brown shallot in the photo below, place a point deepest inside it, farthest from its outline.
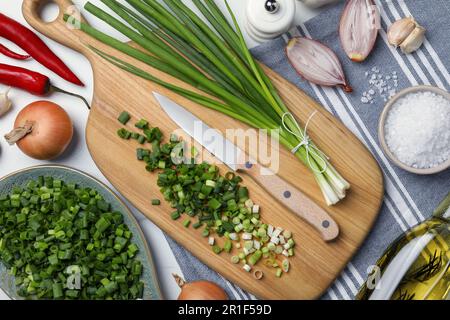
(316, 62)
(358, 29)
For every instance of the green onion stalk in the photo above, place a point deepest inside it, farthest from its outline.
(214, 59)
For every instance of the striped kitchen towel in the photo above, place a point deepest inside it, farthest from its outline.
(409, 198)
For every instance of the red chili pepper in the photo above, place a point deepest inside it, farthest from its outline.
(34, 46)
(4, 50)
(31, 81)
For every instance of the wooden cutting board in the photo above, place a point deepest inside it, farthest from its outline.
(316, 263)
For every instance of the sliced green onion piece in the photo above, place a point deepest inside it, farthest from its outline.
(255, 257)
(175, 215)
(258, 274)
(186, 223)
(279, 272)
(124, 117)
(285, 265)
(227, 246)
(216, 249)
(142, 124)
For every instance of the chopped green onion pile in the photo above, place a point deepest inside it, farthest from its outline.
(218, 206)
(212, 58)
(52, 231)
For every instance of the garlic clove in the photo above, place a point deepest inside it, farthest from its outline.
(5, 102)
(358, 28)
(414, 41)
(407, 34)
(400, 30)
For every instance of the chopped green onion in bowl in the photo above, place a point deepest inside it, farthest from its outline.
(79, 224)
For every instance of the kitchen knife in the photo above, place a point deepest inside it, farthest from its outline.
(234, 158)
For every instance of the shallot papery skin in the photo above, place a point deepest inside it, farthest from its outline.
(358, 29)
(316, 62)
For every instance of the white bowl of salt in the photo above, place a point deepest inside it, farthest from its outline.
(414, 129)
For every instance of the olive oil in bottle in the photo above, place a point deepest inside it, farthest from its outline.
(417, 265)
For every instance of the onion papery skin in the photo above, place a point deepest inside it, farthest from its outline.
(52, 130)
(202, 290)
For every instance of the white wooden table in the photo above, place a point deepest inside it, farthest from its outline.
(11, 159)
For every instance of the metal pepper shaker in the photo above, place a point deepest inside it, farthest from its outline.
(267, 19)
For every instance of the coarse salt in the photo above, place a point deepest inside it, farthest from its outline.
(417, 129)
(379, 86)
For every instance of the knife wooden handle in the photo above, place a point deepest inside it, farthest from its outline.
(293, 199)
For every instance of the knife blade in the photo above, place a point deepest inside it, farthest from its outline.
(235, 158)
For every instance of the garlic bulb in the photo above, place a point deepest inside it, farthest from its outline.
(5, 103)
(407, 34)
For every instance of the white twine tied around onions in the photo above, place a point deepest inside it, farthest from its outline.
(306, 142)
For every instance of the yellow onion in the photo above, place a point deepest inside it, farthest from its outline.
(42, 130)
(199, 290)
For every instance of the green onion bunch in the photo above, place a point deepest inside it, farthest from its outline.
(212, 58)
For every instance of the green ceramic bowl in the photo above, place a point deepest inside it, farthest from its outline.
(20, 178)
